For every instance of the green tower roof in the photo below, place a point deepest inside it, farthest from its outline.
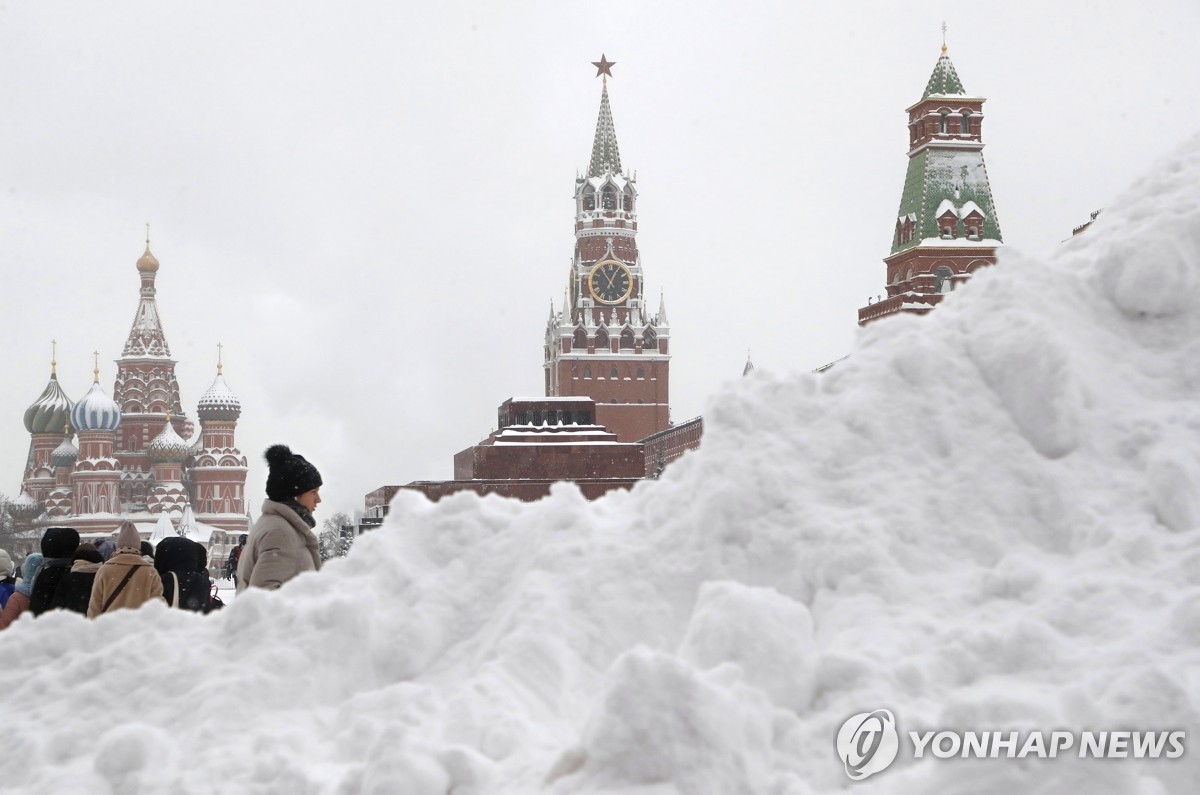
(606, 157)
(944, 79)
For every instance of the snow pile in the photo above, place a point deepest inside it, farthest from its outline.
(986, 519)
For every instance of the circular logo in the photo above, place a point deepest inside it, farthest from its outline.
(867, 743)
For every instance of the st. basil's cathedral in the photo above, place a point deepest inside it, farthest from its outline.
(136, 459)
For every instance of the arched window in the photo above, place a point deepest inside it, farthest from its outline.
(627, 339)
(649, 341)
(610, 197)
(601, 339)
(613, 373)
(947, 232)
(589, 197)
(944, 279)
(587, 372)
(944, 123)
(908, 278)
(641, 373)
(580, 339)
(628, 198)
(964, 121)
(972, 233)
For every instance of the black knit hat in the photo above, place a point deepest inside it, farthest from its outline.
(289, 475)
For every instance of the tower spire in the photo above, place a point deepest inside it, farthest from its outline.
(53, 358)
(606, 156)
(219, 365)
(943, 37)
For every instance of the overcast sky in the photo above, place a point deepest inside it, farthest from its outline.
(370, 205)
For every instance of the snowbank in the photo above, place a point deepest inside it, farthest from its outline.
(988, 518)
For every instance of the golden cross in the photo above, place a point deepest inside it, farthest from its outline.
(96, 369)
(148, 225)
(219, 347)
(53, 356)
(943, 37)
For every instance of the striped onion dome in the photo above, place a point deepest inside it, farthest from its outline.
(96, 411)
(24, 507)
(168, 447)
(219, 402)
(66, 454)
(50, 412)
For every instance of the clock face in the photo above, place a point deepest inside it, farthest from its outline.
(610, 282)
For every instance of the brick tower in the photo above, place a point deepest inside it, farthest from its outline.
(946, 227)
(146, 390)
(605, 344)
(219, 468)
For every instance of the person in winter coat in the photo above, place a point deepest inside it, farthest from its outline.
(18, 603)
(282, 543)
(58, 549)
(75, 590)
(107, 548)
(126, 579)
(183, 586)
(8, 583)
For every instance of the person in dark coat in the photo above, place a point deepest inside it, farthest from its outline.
(58, 550)
(175, 559)
(75, 590)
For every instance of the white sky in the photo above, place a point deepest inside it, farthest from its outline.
(370, 205)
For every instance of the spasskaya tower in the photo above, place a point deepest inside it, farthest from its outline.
(604, 343)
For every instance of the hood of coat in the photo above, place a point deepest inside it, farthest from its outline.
(273, 508)
(127, 558)
(176, 554)
(59, 542)
(85, 567)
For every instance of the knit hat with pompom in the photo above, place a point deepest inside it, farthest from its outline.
(289, 475)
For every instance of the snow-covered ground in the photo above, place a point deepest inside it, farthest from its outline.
(986, 519)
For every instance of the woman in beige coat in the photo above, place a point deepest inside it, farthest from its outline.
(282, 543)
(125, 579)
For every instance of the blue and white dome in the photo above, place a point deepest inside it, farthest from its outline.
(96, 411)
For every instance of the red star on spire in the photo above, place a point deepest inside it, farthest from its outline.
(603, 66)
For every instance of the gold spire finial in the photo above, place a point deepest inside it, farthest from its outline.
(219, 347)
(53, 357)
(943, 37)
(147, 235)
(96, 368)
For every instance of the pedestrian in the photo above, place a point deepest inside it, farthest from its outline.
(183, 585)
(18, 603)
(125, 579)
(282, 543)
(74, 591)
(235, 557)
(58, 550)
(106, 548)
(8, 582)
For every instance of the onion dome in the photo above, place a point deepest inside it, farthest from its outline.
(96, 411)
(147, 263)
(168, 447)
(50, 412)
(219, 402)
(66, 454)
(25, 507)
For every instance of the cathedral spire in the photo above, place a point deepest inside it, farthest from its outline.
(606, 157)
(146, 337)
